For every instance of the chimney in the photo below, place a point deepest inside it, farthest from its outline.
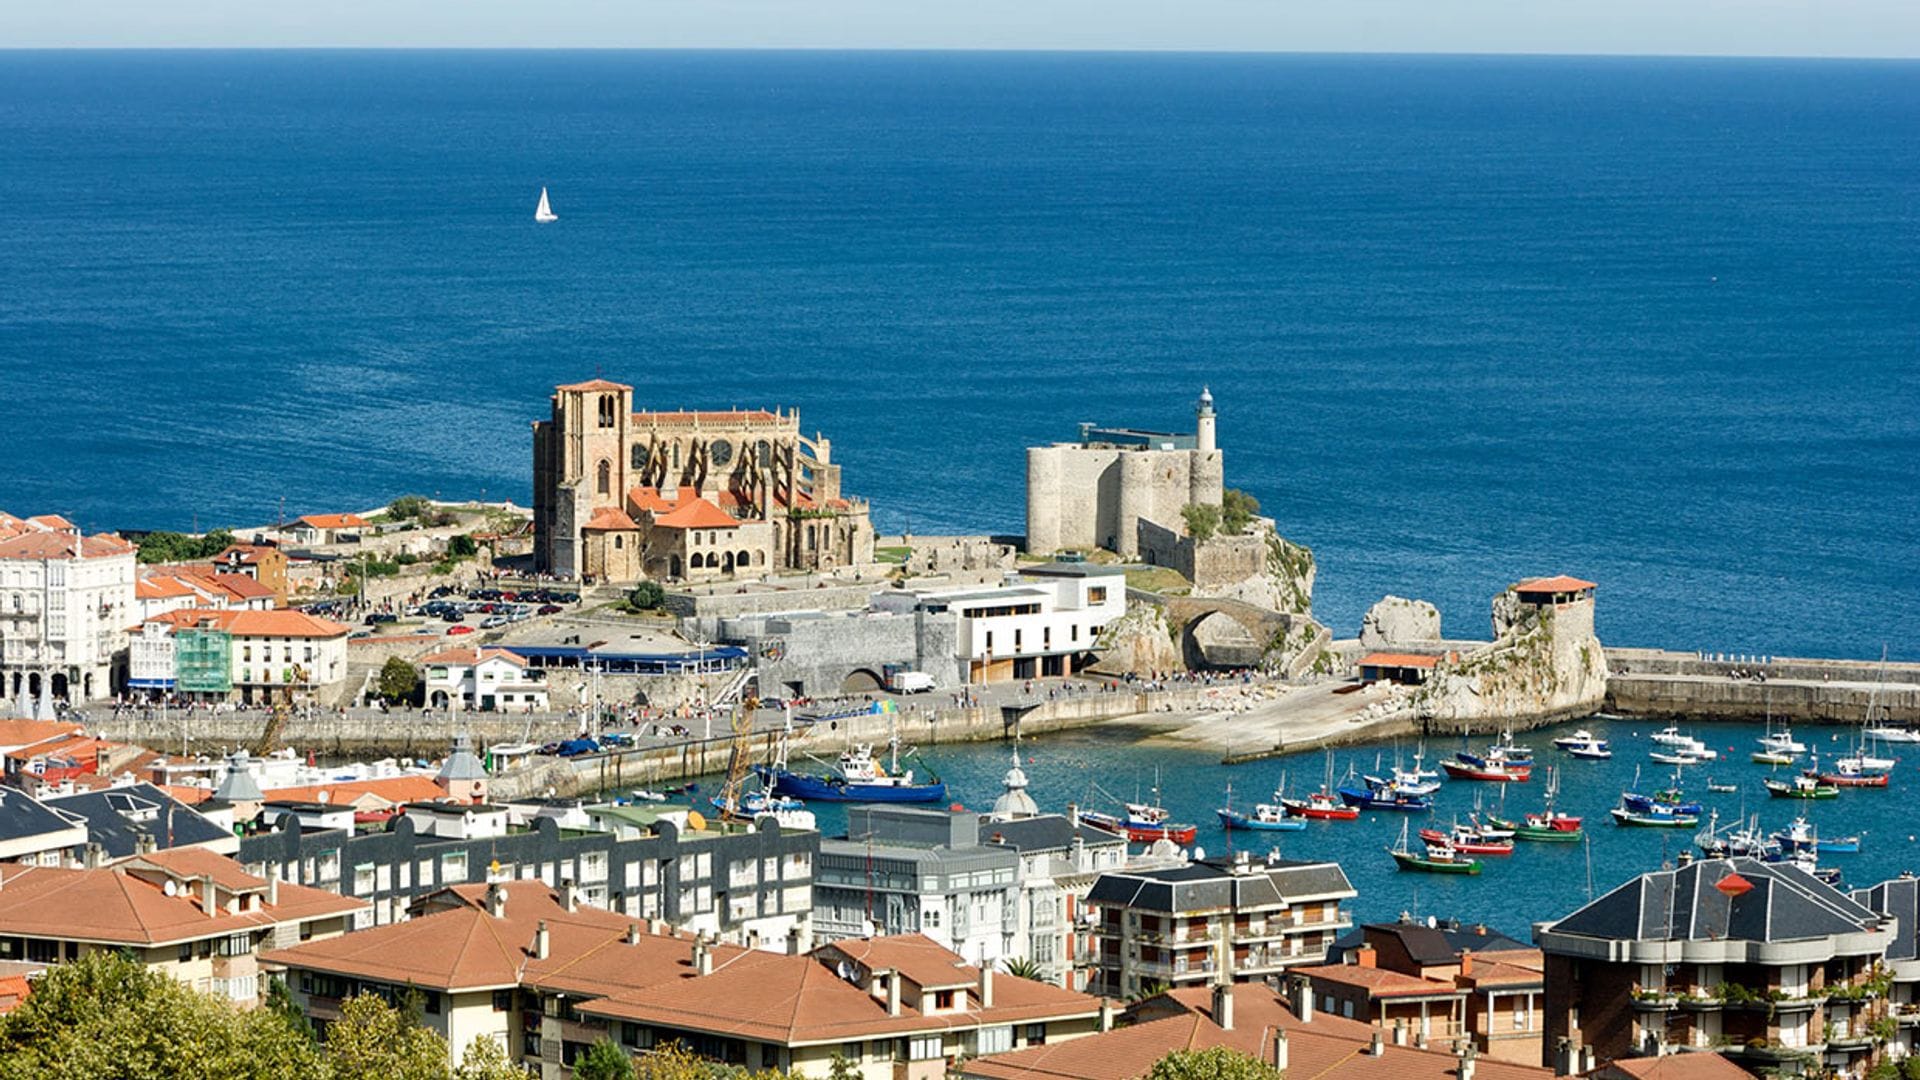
(1366, 956)
(569, 895)
(1419, 1040)
(542, 941)
(633, 934)
(143, 844)
(1466, 962)
(1685, 858)
(1400, 1032)
(92, 856)
(1564, 1056)
(1106, 1014)
(1303, 1000)
(702, 957)
(1280, 1050)
(1589, 1061)
(796, 942)
(497, 900)
(985, 989)
(1223, 1005)
(657, 927)
(1378, 1047)
(273, 890)
(893, 993)
(1073, 814)
(1466, 1063)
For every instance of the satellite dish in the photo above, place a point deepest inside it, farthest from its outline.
(1433, 923)
(169, 888)
(696, 821)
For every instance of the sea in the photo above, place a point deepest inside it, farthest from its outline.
(1099, 769)
(1653, 322)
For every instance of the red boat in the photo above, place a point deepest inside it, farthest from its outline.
(1321, 806)
(1467, 767)
(1143, 825)
(1847, 778)
(1465, 838)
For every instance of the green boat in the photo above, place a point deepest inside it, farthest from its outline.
(1440, 858)
(1800, 787)
(1547, 827)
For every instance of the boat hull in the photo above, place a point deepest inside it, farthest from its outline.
(1314, 812)
(1837, 780)
(1368, 800)
(1788, 791)
(833, 789)
(1460, 770)
(1644, 821)
(1409, 861)
(1232, 819)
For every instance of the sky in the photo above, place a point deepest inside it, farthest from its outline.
(1834, 28)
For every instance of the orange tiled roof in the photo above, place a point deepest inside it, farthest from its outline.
(784, 999)
(652, 500)
(80, 747)
(393, 790)
(916, 956)
(697, 514)
(465, 948)
(1389, 659)
(60, 545)
(1563, 583)
(473, 656)
(18, 733)
(1377, 982)
(711, 416)
(120, 904)
(610, 519)
(335, 521)
(594, 384)
(282, 623)
(1676, 1067)
(1489, 973)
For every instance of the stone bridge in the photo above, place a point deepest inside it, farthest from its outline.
(1221, 633)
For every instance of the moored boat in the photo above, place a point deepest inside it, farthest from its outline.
(1142, 824)
(1466, 766)
(1320, 806)
(1440, 858)
(857, 777)
(1800, 787)
(1264, 817)
(1716, 786)
(1468, 839)
(1382, 796)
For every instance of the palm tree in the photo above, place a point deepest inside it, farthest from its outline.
(1021, 967)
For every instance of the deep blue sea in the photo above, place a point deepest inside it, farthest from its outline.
(1652, 322)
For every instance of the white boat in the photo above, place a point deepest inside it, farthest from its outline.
(1772, 757)
(1670, 736)
(1666, 757)
(1893, 734)
(1697, 750)
(1583, 737)
(1781, 742)
(1591, 750)
(544, 212)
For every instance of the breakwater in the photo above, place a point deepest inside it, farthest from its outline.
(1658, 683)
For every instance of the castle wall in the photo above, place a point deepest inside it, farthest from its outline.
(1096, 497)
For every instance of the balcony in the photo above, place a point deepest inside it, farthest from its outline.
(1655, 1001)
(1701, 1001)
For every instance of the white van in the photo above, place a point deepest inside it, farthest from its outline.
(911, 682)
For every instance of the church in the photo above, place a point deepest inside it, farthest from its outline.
(623, 496)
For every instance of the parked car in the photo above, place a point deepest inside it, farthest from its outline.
(461, 629)
(551, 609)
(380, 617)
(451, 616)
(493, 621)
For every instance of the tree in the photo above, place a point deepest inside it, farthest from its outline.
(106, 1017)
(1203, 520)
(1021, 967)
(1214, 1063)
(647, 596)
(398, 681)
(409, 506)
(372, 1038)
(486, 1059)
(1237, 511)
(163, 547)
(839, 1067)
(604, 1060)
(462, 546)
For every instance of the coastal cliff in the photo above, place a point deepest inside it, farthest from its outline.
(1544, 662)
(1142, 642)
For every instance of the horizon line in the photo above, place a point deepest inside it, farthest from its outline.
(965, 50)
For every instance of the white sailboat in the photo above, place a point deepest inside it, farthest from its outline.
(544, 212)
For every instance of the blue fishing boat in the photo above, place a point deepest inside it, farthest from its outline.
(1383, 796)
(857, 777)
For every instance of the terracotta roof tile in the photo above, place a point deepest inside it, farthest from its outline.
(280, 623)
(609, 519)
(1378, 982)
(126, 903)
(335, 521)
(696, 514)
(1562, 583)
(594, 384)
(1676, 1067)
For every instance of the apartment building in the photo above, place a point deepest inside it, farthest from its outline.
(66, 600)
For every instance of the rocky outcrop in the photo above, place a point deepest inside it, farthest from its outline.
(1141, 642)
(1302, 650)
(1279, 577)
(1544, 661)
(1399, 621)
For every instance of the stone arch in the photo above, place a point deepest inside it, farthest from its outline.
(61, 687)
(861, 681)
(674, 563)
(743, 560)
(439, 699)
(608, 410)
(726, 562)
(1218, 640)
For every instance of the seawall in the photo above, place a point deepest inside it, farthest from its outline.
(1657, 683)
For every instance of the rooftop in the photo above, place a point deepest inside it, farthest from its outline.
(1562, 583)
(1201, 886)
(280, 623)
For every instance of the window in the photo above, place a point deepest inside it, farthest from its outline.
(923, 1048)
(1036, 1034)
(363, 879)
(943, 999)
(453, 868)
(996, 1040)
(603, 482)
(1097, 594)
(851, 1051)
(608, 406)
(503, 1001)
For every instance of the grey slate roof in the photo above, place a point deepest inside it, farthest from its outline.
(1048, 832)
(1900, 898)
(1202, 886)
(461, 764)
(1428, 944)
(21, 817)
(238, 785)
(117, 817)
(1682, 904)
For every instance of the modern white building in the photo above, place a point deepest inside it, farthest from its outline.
(66, 600)
(485, 679)
(1043, 623)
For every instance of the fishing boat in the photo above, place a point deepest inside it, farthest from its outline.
(757, 803)
(1671, 798)
(1378, 794)
(1744, 839)
(1264, 817)
(1578, 738)
(1670, 736)
(1320, 806)
(1467, 839)
(1781, 742)
(1506, 750)
(858, 776)
(1587, 747)
(1492, 768)
(1667, 757)
(1802, 786)
(1720, 788)
(1440, 858)
(1773, 757)
(1800, 835)
(1654, 816)
(544, 212)
(1143, 823)
(1545, 826)
(1848, 774)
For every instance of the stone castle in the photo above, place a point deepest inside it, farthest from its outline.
(622, 496)
(1096, 492)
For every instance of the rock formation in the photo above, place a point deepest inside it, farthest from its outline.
(1399, 621)
(1268, 570)
(1139, 643)
(1544, 661)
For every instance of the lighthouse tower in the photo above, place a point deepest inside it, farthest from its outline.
(1203, 424)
